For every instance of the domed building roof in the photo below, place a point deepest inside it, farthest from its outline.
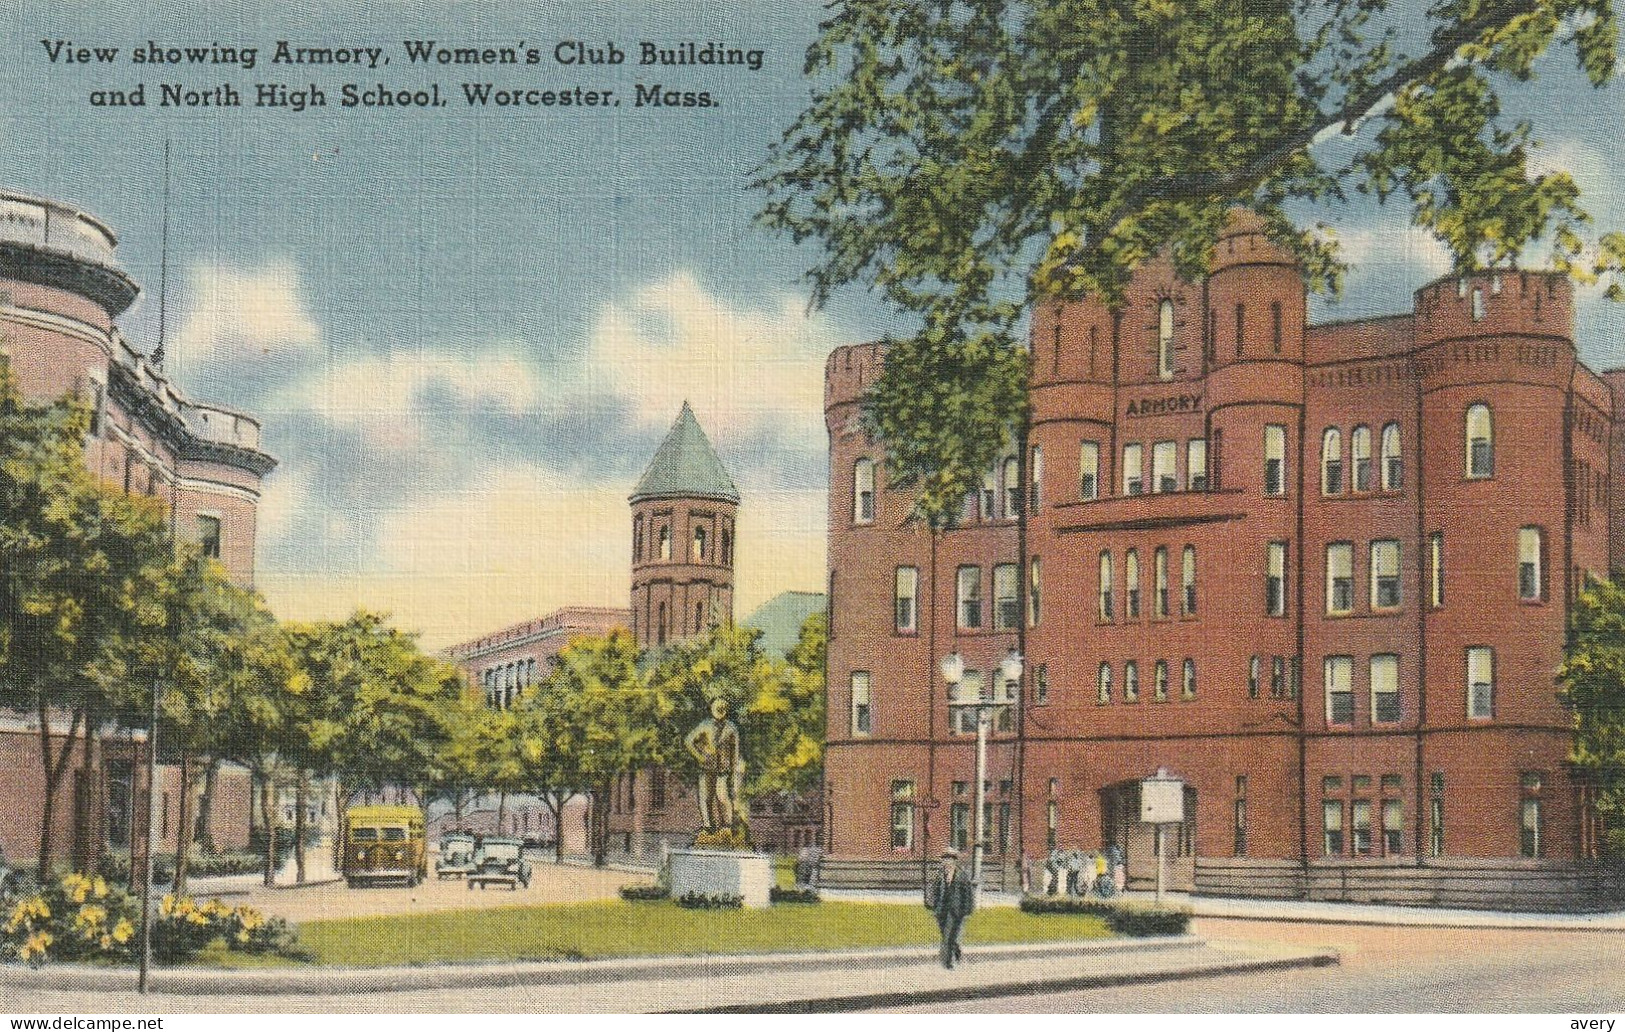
(686, 466)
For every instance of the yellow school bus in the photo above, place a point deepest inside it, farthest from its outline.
(384, 843)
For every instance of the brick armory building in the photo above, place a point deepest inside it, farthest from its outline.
(62, 292)
(1320, 572)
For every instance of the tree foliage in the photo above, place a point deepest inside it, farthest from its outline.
(966, 157)
(1593, 679)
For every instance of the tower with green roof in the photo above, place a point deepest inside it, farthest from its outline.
(683, 513)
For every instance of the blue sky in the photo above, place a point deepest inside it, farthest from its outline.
(466, 331)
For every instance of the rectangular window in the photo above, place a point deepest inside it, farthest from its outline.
(1480, 682)
(1384, 689)
(969, 586)
(1196, 464)
(1187, 569)
(1160, 564)
(1089, 471)
(1252, 677)
(1278, 677)
(1164, 466)
(1041, 685)
(1331, 819)
(970, 690)
(1385, 575)
(1530, 588)
(902, 815)
(1339, 579)
(1106, 608)
(1436, 816)
(1159, 680)
(905, 595)
(1340, 690)
(1436, 568)
(1035, 596)
(1006, 597)
(1052, 824)
(1131, 681)
(1275, 579)
(208, 536)
(1393, 827)
(1360, 827)
(1239, 848)
(861, 715)
(959, 824)
(1188, 684)
(1529, 815)
(1133, 469)
(1035, 479)
(1274, 459)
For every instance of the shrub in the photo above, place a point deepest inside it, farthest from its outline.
(707, 901)
(635, 893)
(116, 865)
(1124, 918)
(781, 894)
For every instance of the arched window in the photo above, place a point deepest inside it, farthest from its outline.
(1105, 585)
(1331, 462)
(699, 617)
(1188, 689)
(1480, 442)
(863, 491)
(1131, 681)
(1035, 479)
(1012, 488)
(1360, 457)
(1393, 462)
(727, 546)
(1089, 471)
(1165, 340)
(665, 541)
(1103, 684)
(1160, 570)
(1159, 680)
(661, 626)
(699, 545)
(1131, 583)
(637, 539)
(1188, 570)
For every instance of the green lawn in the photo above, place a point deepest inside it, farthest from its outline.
(585, 931)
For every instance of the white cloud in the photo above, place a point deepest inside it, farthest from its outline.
(246, 315)
(1411, 247)
(743, 369)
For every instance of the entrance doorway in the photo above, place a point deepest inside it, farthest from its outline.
(1120, 826)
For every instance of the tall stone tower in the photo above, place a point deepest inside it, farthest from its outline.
(683, 513)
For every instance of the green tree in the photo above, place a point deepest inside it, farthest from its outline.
(81, 568)
(969, 157)
(1593, 678)
(596, 719)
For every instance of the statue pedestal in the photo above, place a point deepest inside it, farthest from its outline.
(717, 873)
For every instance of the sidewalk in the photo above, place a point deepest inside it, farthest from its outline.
(835, 981)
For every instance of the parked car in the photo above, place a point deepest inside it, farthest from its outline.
(499, 861)
(456, 857)
(384, 843)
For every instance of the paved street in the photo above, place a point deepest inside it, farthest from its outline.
(1384, 969)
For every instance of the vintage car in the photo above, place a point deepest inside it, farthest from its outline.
(498, 861)
(384, 843)
(456, 855)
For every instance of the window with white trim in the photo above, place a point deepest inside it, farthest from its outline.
(1252, 677)
(1159, 680)
(1360, 827)
(1164, 467)
(665, 541)
(1131, 584)
(1339, 690)
(1275, 579)
(1089, 470)
(1012, 488)
(1331, 811)
(1103, 684)
(1131, 681)
(1436, 568)
(902, 815)
(863, 491)
(862, 717)
(1529, 815)
(1187, 565)
(1160, 564)
(1393, 459)
(968, 584)
(1106, 609)
(1480, 682)
(905, 598)
(1480, 442)
(1360, 458)
(1274, 459)
(1035, 480)
(1133, 469)
(208, 536)
(697, 551)
(1385, 689)
(1339, 579)
(1196, 464)
(1006, 597)
(1530, 580)
(1165, 340)
(1035, 608)
(1331, 461)
(1188, 685)
(1385, 589)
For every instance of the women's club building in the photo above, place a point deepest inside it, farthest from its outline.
(1320, 573)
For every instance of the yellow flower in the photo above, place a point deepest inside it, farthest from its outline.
(89, 919)
(166, 906)
(100, 887)
(123, 930)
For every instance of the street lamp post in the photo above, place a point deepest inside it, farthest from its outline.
(953, 672)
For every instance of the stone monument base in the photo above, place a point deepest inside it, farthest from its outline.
(712, 872)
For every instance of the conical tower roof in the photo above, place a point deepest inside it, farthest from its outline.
(686, 466)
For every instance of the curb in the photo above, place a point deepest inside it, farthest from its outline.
(212, 981)
(871, 1001)
(1420, 920)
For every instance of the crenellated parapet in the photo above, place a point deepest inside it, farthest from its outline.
(850, 370)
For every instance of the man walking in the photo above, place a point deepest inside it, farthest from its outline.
(951, 897)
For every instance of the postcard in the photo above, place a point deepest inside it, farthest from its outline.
(1035, 507)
